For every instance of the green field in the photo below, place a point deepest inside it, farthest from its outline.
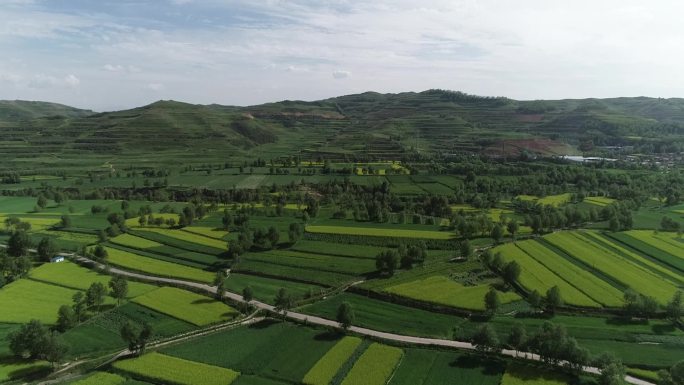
(380, 232)
(613, 264)
(16, 369)
(210, 232)
(24, 300)
(444, 291)
(375, 366)
(431, 367)
(517, 374)
(171, 370)
(189, 237)
(325, 369)
(72, 276)
(265, 289)
(153, 266)
(187, 306)
(101, 378)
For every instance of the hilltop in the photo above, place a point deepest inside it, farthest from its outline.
(367, 126)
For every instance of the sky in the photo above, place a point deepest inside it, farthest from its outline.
(108, 55)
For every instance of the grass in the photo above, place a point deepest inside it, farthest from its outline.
(642, 241)
(276, 350)
(101, 378)
(322, 262)
(311, 276)
(171, 370)
(153, 266)
(11, 369)
(72, 276)
(24, 300)
(184, 305)
(518, 374)
(375, 366)
(210, 232)
(599, 201)
(614, 265)
(325, 369)
(380, 232)
(135, 242)
(265, 289)
(330, 248)
(445, 291)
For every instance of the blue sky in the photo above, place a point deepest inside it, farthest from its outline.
(107, 55)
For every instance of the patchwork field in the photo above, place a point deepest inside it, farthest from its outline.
(153, 266)
(379, 232)
(325, 369)
(430, 367)
(265, 289)
(517, 374)
(187, 306)
(375, 366)
(171, 370)
(444, 291)
(24, 300)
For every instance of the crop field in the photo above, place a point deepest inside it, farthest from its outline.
(549, 200)
(389, 317)
(334, 264)
(648, 243)
(276, 350)
(153, 266)
(311, 276)
(188, 237)
(375, 366)
(444, 291)
(187, 306)
(24, 300)
(599, 201)
(518, 374)
(325, 369)
(102, 333)
(265, 289)
(72, 276)
(101, 378)
(612, 264)
(14, 370)
(37, 223)
(330, 248)
(430, 367)
(379, 232)
(210, 232)
(536, 276)
(171, 370)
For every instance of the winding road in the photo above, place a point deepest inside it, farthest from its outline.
(300, 317)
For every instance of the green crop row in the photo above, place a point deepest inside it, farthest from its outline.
(375, 366)
(380, 232)
(171, 370)
(187, 306)
(154, 266)
(326, 368)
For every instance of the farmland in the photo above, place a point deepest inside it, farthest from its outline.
(187, 306)
(137, 262)
(375, 366)
(375, 232)
(171, 370)
(26, 300)
(325, 369)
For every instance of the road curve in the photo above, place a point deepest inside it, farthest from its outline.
(323, 321)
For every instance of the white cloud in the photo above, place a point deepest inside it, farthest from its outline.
(49, 81)
(155, 87)
(340, 74)
(121, 68)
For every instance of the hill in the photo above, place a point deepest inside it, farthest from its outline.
(368, 126)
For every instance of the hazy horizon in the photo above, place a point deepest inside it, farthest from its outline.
(116, 55)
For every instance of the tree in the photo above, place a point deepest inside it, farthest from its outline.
(535, 300)
(46, 249)
(386, 262)
(54, 350)
(247, 294)
(136, 339)
(65, 221)
(612, 371)
(492, 302)
(95, 295)
(554, 299)
(497, 233)
(29, 340)
(41, 202)
(100, 253)
(118, 286)
(345, 315)
(512, 228)
(283, 301)
(79, 306)
(66, 318)
(673, 376)
(466, 249)
(675, 308)
(517, 338)
(511, 272)
(294, 232)
(18, 244)
(485, 339)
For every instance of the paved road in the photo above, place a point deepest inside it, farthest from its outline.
(324, 321)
